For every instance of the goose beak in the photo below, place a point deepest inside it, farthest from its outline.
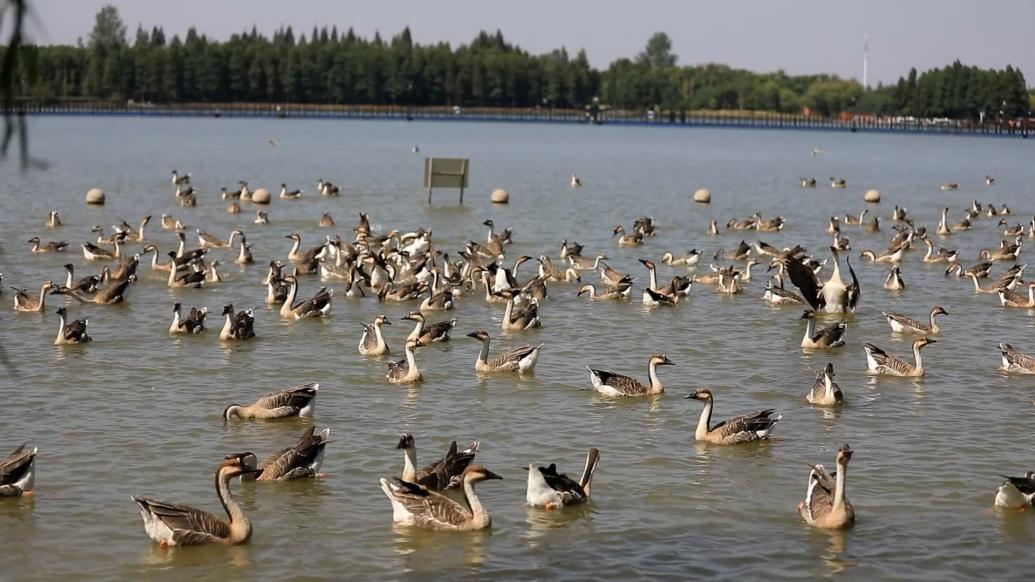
(667, 362)
(491, 475)
(402, 443)
(473, 334)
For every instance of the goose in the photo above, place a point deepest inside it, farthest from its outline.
(326, 188)
(838, 183)
(825, 392)
(872, 226)
(1010, 231)
(745, 224)
(991, 289)
(445, 473)
(110, 295)
(47, 247)
(1004, 210)
(901, 324)
(943, 227)
(1009, 298)
(414, 505)
(207, 241)
(261, 217)
(620, 293)
(580, 263)
(979, 270)
(826, 506)
(611, 277)
(833, 296)
(86, 284)
(549, 490)
(526, 318)
(187, 198)
(627, 240)
(729, 284)
(438, 300)
(243, 191)
(713, 227)
(1007, 252)
(808, 182)
(239, 326)
(991, 212)
(881, 363)
(856, 221)
(768, 224)
(179, 525)
(134, 234)
(289, 194)
(828, 337)
(73, 332)
(964, 224)
(645, 225)
(944, 255)
(405, 371)
(373, 343)
(1016, 362)
(53, 220)
(18, 472)
(841, 243)
(891, 256)
(326, 221)
(898, 214)
(780, 296)
(611, 384)
(93, 252)
(894, 282)
(25, 303)
(161, 267)
(739, 429)
(212, 274)
(575, 181)
(521, 359)
(193, 323)
(399, 293)
(741, 253)
(950, 186)
(319, 305)
(1016, 492)
(185, 277)
(762, 248)
(297, 401)
(178, 180)
(299, 461)
(233, 208)
(245, 257)
(429, 333)
(989, 180)
(307, 260)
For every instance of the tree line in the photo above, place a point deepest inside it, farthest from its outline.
(339, 67)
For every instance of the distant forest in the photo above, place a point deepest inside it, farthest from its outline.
(338, 67)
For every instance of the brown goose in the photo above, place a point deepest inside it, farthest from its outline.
(825, 392)
(620, 293)
(829, 337)
(777, 295)
(429, 333)
(627, 240)
(112, 294)
(881, 363)
(418, 506)
(73, 332)
(193, 323)
(297, 401)
(526, 318)
(1016, 362)
(86, 284)
(1016, 492)
(319, 305)
(188, 276)
(405, 371)
(1010, 298)
(18, 472)
(894, 282)
(179, 525)
(25, 303)
(521, 359)
(307, 260)
(53, 219)
(239, 326)
(326, 221)
(300, 461)
(826, 506)
(739, 429)
(611, 384)
(373, 343)
(901, 324)
(444, 473)
(47, 247)
(93, 252)
(551, 490)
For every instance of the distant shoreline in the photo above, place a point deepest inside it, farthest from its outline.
(594, 116)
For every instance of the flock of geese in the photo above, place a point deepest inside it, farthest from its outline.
(407, 267)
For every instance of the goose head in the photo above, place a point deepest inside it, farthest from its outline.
(808, 314)
(844, 454)
(413, 316)
(661, 360)
(405, 443)
(476, 473)
(587, 288)
(647, 263)
(938, 310)
(228, 309)
(237, 464)
(920, 343)
(704, 395)
(480, 335)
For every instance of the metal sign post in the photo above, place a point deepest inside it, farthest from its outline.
(446, 173)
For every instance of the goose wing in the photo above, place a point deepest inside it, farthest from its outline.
(658, 297)
(116, 292)
(243, 325)
(904, 321)
(296, 461)
(571, 491)
(1025, 485)
(623, 384)
(884, 359)
(14, 467)
(369, 339)
(438, 332)
(189, 526)
(445, 472)
(831, 335)
(314, 304)
(854, 291)
(805, 280)
(76, 330)
(427, 508)
(819, 493)
(1014, 357)
(747, 427)
(398, 369)
(295, 398)
(512, 357)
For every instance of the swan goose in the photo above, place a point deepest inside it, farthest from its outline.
(179, 525)
(110, 295)
(881, 363)
(239, 326)
(825, 392)
(373, 343)
(319, 305)
(73, 332)
(297, 401)
(551, 490)
(428, 333)
(1006, 252)
(627, 240)
(892, 255)
(47, 247)
(405, 371)
(739, 429)
(289, 194)
(1016, 362)
(833, 296)
(838, 183)
(307, 261)
(326, 221)
(418, 506)
(53, 220)
(86, 284)
(618, 293)
(93, 252)
(575, 181)
(777, 295)
(901, 324)
(1009, 298)
(1011, 231)
(1016, 492)
(18, 472)
(208, 241)
(134, 234)
(521, 359)
(689, 259)
(850, 220)
(944, 255)
(943, 226)
(445, 473)
(186, 276)
(979, 270)
(526, 318)
(828, 337)
(25, 303)
(299, 461)
(894, 282)
(611, 384)
(261, 217)
(826, 506)
(193, 323)
(244, 257)
(808, 182)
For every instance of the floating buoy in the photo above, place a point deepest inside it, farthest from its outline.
(872, 196)
(95, 196)
(704, 196)
(500, 196)
(261, 196)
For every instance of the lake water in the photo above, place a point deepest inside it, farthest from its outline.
(137, 412)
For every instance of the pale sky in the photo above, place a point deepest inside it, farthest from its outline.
(799, 36)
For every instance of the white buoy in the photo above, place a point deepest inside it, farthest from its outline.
(872, 196)
(95, 196)
(261, 196)
(500, 196)
(704, 196)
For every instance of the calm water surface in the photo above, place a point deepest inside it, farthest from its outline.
(138, 411)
